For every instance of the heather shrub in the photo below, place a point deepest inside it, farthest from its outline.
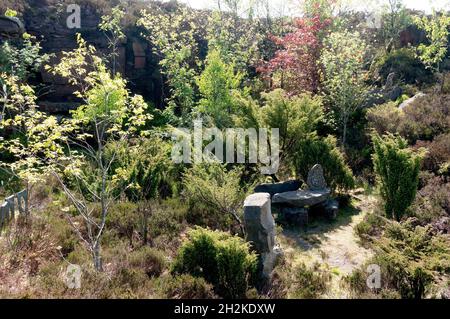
(151, 261)
(432, 200)
(223, 260)
(371, 226)
(437, 158)
(166, 218)
(124, 219)
(424, 119)
(309, 283)
(184, 286)
(385, 118)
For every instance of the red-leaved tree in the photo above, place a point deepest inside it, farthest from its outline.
(294, 66)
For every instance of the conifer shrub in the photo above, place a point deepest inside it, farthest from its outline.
(221, 259)
(313, 150)
(411, 260)
(397, 168)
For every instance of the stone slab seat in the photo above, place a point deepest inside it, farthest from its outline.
(273, 188)
(302, 198)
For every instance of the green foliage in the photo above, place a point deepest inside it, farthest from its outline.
(436, 28)
(314, 150)
(37, 136)
(220, 190)
(344, 76)
(21, 59)
(309, 283)
(296, 117)
(407, 66)
(111, 26)
(236, 40)
(10, 13)
(184, 287)
(141, 166)
(397, 169)
(223, 260)
(394, 18)
(172, 35)
(152, 261)
(215, 85)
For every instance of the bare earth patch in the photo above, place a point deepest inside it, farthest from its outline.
(333, 245)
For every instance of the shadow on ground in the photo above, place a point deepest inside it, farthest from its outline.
(312, 235)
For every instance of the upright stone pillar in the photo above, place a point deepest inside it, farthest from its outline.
(260, 231)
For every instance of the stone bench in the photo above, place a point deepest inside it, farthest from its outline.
(295, 204)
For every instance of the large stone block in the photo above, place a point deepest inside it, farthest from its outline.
(259, 222)
(22, 202)
(260, 229)
(282, 187)
(11, 206)
(301, 198)
(295, 215)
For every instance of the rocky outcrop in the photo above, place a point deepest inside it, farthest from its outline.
(10, 27)
(410, 101)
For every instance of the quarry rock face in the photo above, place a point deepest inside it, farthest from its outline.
(260, 231)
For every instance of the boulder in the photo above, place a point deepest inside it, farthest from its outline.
(302, 198)
(282, 187)
(393, 94)
(410, 101)
(11, 27)
(295, 215)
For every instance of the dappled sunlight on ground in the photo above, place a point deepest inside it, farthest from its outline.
(332, 244)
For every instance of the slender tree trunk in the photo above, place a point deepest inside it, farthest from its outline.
(97, 257)
(344, 133)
